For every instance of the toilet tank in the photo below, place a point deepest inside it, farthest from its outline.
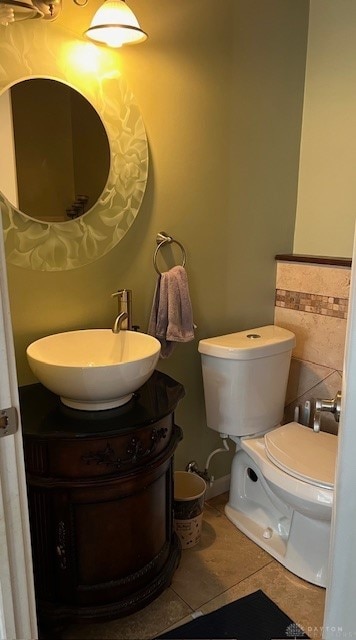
(245, 377)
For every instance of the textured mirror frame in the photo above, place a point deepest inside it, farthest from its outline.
(51, 246)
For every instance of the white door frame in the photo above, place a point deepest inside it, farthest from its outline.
(340, 605)
(17, 599)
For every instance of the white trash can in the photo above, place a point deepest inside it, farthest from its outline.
(189, 493)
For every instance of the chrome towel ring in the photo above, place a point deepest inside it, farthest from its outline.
(162, 239)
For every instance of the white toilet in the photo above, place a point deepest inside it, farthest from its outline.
(282, 477)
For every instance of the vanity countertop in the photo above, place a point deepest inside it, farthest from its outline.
(43, 414)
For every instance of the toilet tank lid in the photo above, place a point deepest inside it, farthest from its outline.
(250, 344)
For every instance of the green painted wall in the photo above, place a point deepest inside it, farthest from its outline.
(326, 210)
(220, 87)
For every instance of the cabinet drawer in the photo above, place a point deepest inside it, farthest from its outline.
(98, 456)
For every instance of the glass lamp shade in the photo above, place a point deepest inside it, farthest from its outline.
(16, 10)
(114, 24)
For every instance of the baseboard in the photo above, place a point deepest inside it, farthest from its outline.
(221, 485)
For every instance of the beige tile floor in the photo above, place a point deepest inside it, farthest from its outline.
(223, 567)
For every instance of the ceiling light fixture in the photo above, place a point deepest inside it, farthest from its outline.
(114, 24)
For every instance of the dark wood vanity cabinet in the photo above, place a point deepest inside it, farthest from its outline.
(100, 490)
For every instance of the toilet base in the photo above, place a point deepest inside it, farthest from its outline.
(299, 542)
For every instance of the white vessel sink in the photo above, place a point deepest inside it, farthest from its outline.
(94, 369)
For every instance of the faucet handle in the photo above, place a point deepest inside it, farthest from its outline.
(124, 294)
(118, 294)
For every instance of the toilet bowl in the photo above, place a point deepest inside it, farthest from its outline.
(282, 476)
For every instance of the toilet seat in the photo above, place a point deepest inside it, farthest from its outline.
(300, 492)
(303, 453)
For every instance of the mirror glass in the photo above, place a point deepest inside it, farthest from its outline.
(61, 150)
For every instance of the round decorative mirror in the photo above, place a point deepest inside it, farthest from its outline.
(64, 220)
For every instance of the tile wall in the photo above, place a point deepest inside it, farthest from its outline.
(312, 301)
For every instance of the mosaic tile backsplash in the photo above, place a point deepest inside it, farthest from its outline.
(312, 301)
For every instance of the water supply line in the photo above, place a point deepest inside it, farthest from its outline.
(192, 466)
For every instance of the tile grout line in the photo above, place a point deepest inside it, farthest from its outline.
(225, 590)
(311, 388)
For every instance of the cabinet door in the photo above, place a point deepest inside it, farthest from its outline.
(114, 538)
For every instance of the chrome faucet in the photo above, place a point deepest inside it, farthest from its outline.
(333, 406)
(124, 319)
(121, 318)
